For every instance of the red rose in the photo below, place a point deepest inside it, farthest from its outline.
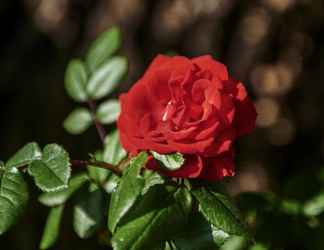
(189, 106)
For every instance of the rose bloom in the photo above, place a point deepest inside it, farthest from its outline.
(190, 106)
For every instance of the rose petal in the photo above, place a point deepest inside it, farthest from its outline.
(217, 168)
(217, 68)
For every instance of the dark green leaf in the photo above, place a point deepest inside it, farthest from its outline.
(198, 234)
(52, 227)
(258, 246)
(155, 219)
(170, 161)
(30, 152)
(105, 79)
(88, 212)
(315, 206)
(52, 173)
(59, 197)
(13, 197)
(76, 80)
(235, 243)
(108, 111)
(220, 212)
(129, 189)
(152, 178)
(101, 49)
(113, 151)
(78, 121)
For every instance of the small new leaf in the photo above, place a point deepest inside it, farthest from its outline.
(76, 80)
(171, 161)
(52, 172)
(30, 152)
(105, 79)
(52, 227)
(108, 111)
(102, 48)
(13, 197)
(78, 121)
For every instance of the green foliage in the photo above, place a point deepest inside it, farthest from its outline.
(52, 227)
(108, 111)
(104, 80)
(155, 219)
(102, 48)
(57, 198)
(221, 213)
(113, 151)
(127, 192)
(78, 121)
(170, 161)
(52, 172)
(76, 80)
(88, 212)
(13, 197)
(30, 152)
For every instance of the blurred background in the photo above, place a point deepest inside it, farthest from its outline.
(276, 47)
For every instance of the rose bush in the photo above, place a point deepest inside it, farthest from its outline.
(191, 106)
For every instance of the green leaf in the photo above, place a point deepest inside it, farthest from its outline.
(221, 213)
(128, 191)
(28, 153)
(170, 161)
(152, 178)
(258, 246)
(235, 243)
(314, 206)
(13, 197)
(52, 173)
(111, 184)
(198, 234)
(113, 151)
(184, 199)
(76, 80)
(59, 197)
(52, 227)
(105, 79)
(104, 46)
(78, 121)
(88, 212)
(108, 111)
(155, 219)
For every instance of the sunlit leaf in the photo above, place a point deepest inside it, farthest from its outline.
(127, 192)
(52, 227)
(78, 121)
(108, 111)
(105, 79)
(13, 197)
(103, 47)
(76, 80)
(113, 151)
(170, 161)
(59, 197)
(52, 172)
(28, 153)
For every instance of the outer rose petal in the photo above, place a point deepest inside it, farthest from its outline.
(191, 169)
(245, 112)
(217, 68)
(218, 167)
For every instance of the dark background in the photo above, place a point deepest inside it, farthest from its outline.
(276, 47)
